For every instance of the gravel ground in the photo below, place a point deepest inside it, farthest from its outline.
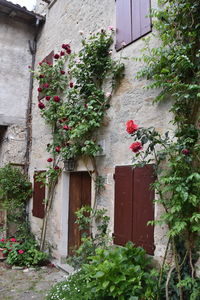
(28, 284)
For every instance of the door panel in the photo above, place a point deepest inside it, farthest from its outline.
(79, 195)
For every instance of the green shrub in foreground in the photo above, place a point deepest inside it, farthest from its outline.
(122, 273)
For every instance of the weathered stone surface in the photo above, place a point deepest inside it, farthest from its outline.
(64, 20)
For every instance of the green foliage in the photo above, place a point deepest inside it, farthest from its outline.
(116, 273)
(175, 69)
(75, 288)
(79, 113)
(30, 255)
(92, 238)
(15, 190)
(120, 273)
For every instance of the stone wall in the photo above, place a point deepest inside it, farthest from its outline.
(64, 20)
(14, 87)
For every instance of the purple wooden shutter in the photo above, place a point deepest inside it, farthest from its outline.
(38, 197)
(143, 208)
(123, 23)
(48, 59)
(145, 20)
(123, 205)
(141, 22)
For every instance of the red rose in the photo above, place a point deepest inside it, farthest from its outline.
(56, 56)
(21, 251)
(68, 50)
(41, 105)
(62, 53)
(136, 147)
(41, 76)
(46, 85)
(62, 72)
(62, 120)
(56, 98)
(39, 89)
(65, 46)
(186, 151)
(40, 63)
(57, 149)
(86, 106)
(56, 168)
(65, 127)
(47, 98)
(2, 240)
(131, 127)
(50, 159)
(13, 240)
(71, 84)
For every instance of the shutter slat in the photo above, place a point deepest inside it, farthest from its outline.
(123, 23)
(145, 20)
(136, 27)
(38, 197)
(123, 204)
(143, 208)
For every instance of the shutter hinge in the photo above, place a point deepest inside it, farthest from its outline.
(114, 176)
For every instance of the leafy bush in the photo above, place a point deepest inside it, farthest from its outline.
(122, 273)
(26, 254)
(86, 217)
(74, 288)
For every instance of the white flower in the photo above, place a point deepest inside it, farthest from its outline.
(111, 28)
(110, 52)
(108, 95)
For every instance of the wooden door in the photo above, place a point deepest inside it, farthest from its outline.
(79, 195)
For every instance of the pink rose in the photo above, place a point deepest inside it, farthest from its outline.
(13, 240)
(65, 127)
(39, 89)
(20, 251)
(136, 147)
(131, 127)
(41, 105)
(56, 168)
(57, 149)
(2, 240)
(56, 98)
(46, 85)
(186, 151)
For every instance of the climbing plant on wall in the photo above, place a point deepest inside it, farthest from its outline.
(174, 67)
(74, 102)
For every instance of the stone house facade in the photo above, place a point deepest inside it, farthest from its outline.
(64, 21)
(18, 31)
(126, 196)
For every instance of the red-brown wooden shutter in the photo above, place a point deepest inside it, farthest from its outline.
(123, 205)
(134, 206)
(38, 197)
(48, 59)
(141, 22)
(143, 208)
(123, 23)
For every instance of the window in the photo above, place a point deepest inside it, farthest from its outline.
(49, 60)
(132, 21)
(134, 206)
(38, 197)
